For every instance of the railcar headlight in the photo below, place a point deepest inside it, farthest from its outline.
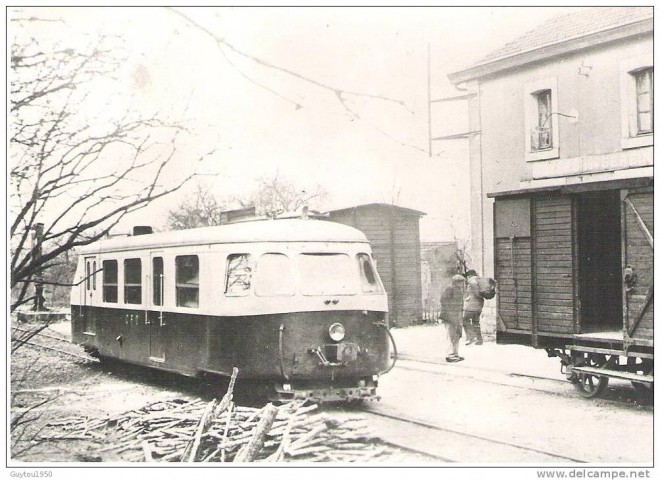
(337, 332)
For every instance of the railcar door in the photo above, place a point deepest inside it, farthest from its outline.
(88, 294)
(155, 312)
(637, 258)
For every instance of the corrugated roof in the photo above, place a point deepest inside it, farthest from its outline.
(570, 26)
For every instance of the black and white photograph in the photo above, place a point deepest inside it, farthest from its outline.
(321, 239)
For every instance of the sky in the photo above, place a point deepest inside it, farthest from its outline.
(274, 108)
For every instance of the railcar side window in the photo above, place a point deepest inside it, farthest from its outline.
(368, 277)
(187, 281)
(327, 274)
(94, 276)
(87, 275)
(110, 281)
(239, 274)
(133, 281)
(273, 276)
(158, 280)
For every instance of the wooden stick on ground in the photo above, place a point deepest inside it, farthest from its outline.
(190, 452)
(249, 452)
(212, 411)
(148, 457)
(226, 400)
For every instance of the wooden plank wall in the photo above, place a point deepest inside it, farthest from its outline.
(553, 263)
(514, 282)
(395, 243)
(408, 265)
(639, 254)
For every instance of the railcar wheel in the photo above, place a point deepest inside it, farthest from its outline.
(587, 385)
(590, 386)
(644, 390)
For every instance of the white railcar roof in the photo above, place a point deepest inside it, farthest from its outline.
(294, 230)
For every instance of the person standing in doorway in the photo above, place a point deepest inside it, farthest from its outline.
(451, 314)
(473, 304)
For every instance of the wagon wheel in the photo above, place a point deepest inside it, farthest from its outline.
(587, 385)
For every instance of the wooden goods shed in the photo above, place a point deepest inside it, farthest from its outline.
(576, 262)
(393, 232)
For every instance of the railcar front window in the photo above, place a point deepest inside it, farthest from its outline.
(238, 279)
(187, 281)
(110, 281)
(368, 277)
(273, 276)
(327, 274)
(133, 281)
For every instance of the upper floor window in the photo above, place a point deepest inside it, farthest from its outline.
(133, 280)
(644, 100)
(187, 281)
(636, 94)
(541, 120)
(542, 131)
(110, 281)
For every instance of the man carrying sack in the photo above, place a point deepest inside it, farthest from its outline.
(477, 290)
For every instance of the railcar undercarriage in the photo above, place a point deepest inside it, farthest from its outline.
(590, 369)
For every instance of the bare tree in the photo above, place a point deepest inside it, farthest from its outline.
(202, 209)
(73, 169)
(275, 195)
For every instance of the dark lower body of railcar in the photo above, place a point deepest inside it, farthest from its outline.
(291, 352)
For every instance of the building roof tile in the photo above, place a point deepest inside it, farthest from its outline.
(570, 26)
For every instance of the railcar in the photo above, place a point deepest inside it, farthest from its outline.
(574, 266)
(296, 304)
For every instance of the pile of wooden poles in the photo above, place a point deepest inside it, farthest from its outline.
(196, 431)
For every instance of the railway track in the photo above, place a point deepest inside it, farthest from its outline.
(441, 443)
(30, 342)
(619, 393)
(451, 445)
(41, 334)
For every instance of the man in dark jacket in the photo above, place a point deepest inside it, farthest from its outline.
(473, 304)
(451, 314)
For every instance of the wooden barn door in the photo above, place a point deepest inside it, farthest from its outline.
(553, 264)
(637, 258)
(513, 263)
